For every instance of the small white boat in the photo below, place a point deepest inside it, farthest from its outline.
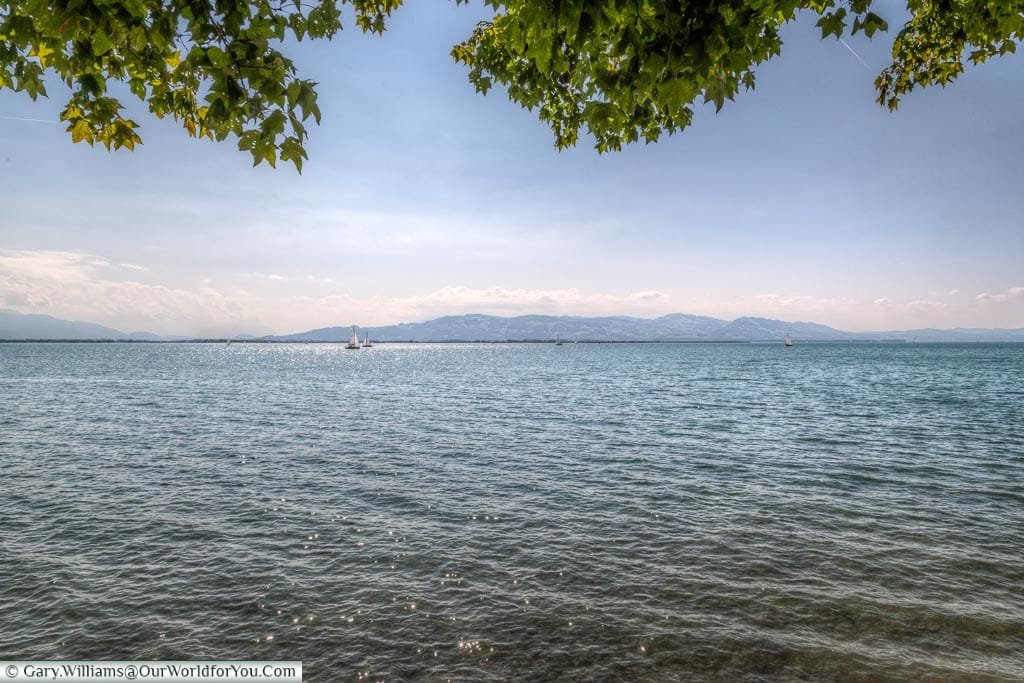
(367, 344)
(558, 341)
(789, 340)
(353, 342)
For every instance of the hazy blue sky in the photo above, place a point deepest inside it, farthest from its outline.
(801, 200)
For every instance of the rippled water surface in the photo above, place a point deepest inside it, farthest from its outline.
(518, 512)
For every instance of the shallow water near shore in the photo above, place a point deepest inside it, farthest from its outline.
(519, 512)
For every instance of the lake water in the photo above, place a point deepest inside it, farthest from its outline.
(635, 512)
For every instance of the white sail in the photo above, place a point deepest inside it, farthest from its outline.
(353, 342)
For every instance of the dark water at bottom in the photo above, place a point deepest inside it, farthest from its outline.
(518, 512)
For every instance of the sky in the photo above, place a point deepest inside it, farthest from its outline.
(801, 200)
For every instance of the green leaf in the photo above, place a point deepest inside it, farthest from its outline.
(297, 22)
(677, 93)
(539, 49)
(873, 23)
(81, 131)
(833, 23)
(101, 44)
(217, 56)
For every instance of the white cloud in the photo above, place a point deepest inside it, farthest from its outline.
(87, 287)
(452, 300)
(298, 313)
(1011, 294)
(847, 313)
(777, 304)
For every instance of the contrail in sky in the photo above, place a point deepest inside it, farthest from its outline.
(853, 52)
(22, 118)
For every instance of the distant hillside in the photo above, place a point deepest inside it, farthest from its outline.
(24, 326)
(30, 326)
(959, 334)
(765, 329)
(668, 328)
(677, 327)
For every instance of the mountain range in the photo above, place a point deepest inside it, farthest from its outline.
(20, 326)
(677, 327)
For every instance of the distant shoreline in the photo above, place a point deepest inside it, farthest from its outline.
(675, 328)
(484, 341)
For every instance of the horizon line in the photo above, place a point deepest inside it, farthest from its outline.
(239, 336)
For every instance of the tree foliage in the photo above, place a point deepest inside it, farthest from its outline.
(621, 70)
(215, 66)
(626, 70)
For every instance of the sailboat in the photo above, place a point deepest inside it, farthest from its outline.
(353, 342)
(789, 340)
(558, 341)
(367, 344)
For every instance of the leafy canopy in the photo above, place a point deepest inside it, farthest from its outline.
(623, 70)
